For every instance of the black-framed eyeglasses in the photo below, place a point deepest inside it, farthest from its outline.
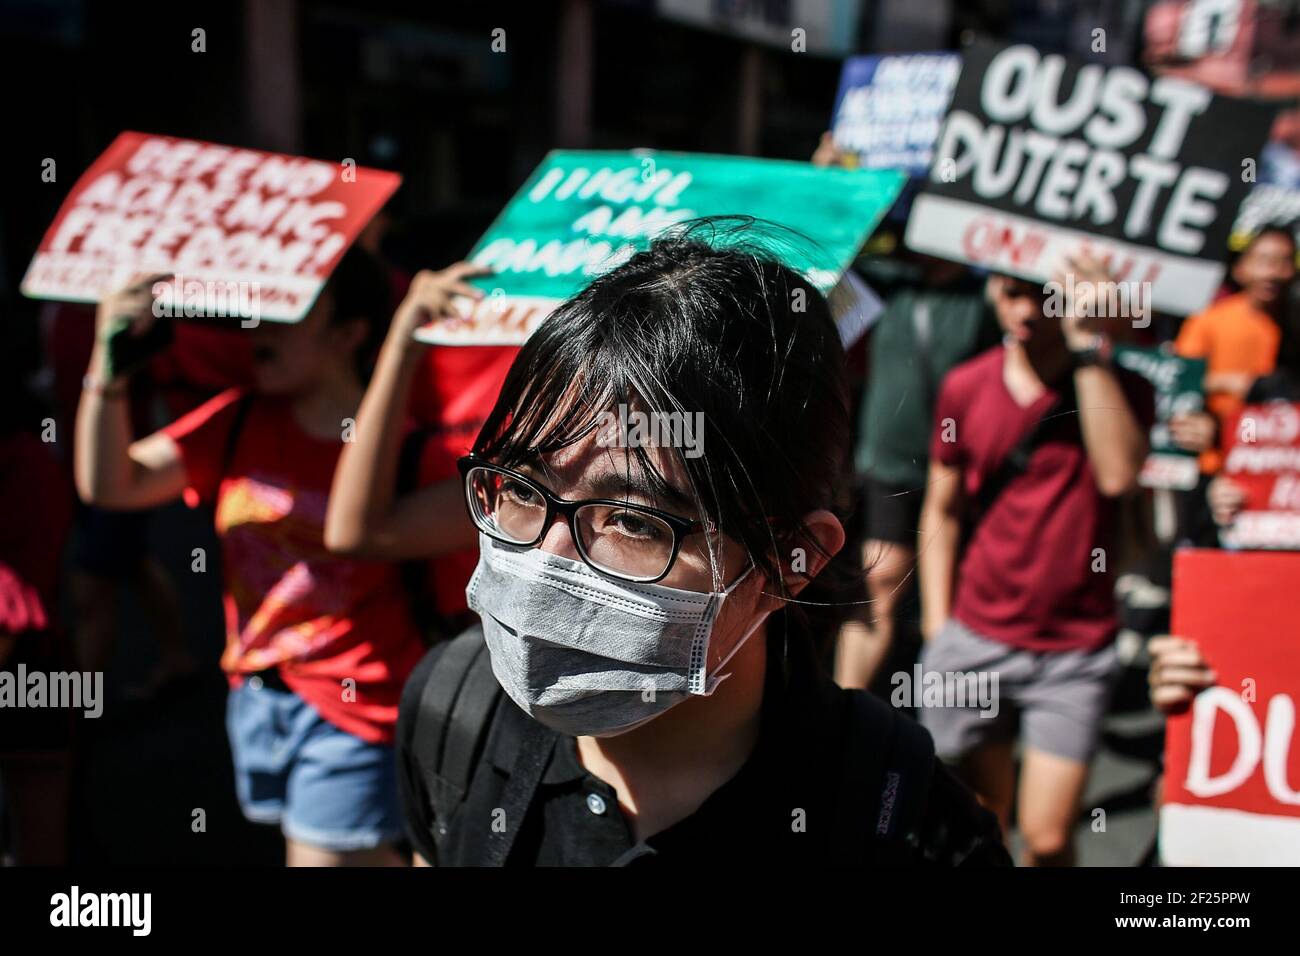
(624, 540)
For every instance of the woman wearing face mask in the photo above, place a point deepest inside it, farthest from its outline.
(652, 493)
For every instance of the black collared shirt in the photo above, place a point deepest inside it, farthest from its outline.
(779, 808)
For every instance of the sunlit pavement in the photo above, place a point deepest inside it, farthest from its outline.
(1123, 776)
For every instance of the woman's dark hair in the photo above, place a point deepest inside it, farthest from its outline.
(704, 320)
(360, 290)
(1273, 229)
(1288, 356)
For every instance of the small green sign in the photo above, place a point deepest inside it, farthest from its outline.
(581, 214)
(1179, 390)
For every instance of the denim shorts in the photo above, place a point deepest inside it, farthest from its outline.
(325, 787)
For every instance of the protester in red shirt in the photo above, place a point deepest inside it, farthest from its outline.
(1031, 440)
(318, 646)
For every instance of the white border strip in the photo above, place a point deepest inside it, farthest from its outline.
(1215, 836)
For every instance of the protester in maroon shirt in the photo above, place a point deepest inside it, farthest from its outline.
(1032, 439)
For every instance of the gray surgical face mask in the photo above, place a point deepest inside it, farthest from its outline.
(589, 655)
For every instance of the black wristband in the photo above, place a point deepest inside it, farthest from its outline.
(1085, 358)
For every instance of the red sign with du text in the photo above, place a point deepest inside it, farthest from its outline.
(1232, 761)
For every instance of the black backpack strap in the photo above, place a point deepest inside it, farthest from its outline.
(469, 718)
(888, 761)
(456, 705)
(905, 789)
(1016, 462)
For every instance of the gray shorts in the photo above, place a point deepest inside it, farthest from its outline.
(1059, 697)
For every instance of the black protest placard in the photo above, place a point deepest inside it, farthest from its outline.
(1040, 153)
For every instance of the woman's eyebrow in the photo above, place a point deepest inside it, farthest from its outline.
(627, 486)
(615, 485)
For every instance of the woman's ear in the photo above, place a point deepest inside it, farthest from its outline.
(805, 562)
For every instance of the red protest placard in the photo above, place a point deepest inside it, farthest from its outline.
(245, 232)
(1263, 457)
(1232, 761)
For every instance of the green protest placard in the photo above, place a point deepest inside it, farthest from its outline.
(1179, 390)
(581, 214)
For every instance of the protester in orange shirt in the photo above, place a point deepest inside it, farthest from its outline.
(1238, 337)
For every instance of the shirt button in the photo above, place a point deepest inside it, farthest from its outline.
(255, 682)
(595, 803)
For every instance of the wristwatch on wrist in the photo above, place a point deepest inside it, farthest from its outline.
(1097, 352)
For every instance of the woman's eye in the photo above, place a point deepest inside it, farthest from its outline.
(633, 525)
(519, 493)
